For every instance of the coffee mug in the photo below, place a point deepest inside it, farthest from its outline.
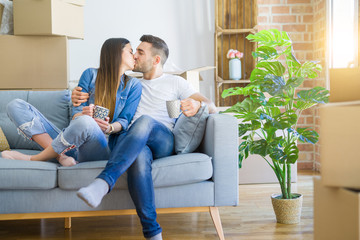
(101, 112)
(173, 108)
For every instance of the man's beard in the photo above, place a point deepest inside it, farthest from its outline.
(142, 68)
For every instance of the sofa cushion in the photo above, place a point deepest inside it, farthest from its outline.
(19, 174)
(168, 171)
(56, 109)
(189, 131)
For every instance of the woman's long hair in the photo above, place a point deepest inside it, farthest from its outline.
(108, 76)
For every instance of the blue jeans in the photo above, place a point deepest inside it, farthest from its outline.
(83, 134)
(134, 151)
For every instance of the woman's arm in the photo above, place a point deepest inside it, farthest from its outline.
(123, 120)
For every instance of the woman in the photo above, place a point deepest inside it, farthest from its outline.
(108, 87)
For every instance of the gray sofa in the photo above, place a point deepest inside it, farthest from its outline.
(197, 182)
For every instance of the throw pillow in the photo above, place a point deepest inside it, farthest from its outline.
(189, 131)
(4, 145)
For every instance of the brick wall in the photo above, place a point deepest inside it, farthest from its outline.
(304, 20)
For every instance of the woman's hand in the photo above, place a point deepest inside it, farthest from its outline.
(88, 110)
(103, 124)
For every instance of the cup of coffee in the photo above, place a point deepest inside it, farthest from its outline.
(173, 108)
(101, 112)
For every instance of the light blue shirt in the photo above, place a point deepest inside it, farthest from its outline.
(127, 99)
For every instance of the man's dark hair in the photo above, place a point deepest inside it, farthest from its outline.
(159, 46)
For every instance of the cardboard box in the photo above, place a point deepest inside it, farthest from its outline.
(336, 213)
(192, 75)
(33, 62)
(49, 17)
(344, 84)
(339, 152)
(256, 170)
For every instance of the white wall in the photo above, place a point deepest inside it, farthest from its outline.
(187, 26)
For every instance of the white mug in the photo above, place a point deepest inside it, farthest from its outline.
(173, 108)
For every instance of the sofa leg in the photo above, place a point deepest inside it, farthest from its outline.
(215, 216)
(68, 222)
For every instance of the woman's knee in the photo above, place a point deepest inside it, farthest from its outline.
(16, 106)
(83, 123)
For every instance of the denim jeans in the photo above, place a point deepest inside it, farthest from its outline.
(134, 150)
(82, 139)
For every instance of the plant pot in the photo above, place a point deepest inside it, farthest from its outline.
(287, 211)
(235, 69)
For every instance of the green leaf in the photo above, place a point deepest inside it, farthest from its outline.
(259, 147)
(246, 110)
(278, 101)
(294, 82)
(257, 75)
(278, 155)
(309, 70)
(309, 136)
(291, 61)
(292, 152)
(265, 53)
(274, 68)
(270, 131)
(282, 121)
(243, 152)
(272, 84)
(270, 38)
(244, 91)
(311, 97)
(243, 128)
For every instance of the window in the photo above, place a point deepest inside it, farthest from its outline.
(343, 40)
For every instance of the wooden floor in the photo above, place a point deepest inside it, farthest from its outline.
(253, 219)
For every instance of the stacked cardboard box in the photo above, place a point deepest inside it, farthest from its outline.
(337, 193)
(37, 56)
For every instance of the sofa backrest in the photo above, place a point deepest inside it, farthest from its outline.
(54, 105)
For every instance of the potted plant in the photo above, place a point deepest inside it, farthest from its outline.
(271, 110)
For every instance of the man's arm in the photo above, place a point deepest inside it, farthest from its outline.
(191, 105)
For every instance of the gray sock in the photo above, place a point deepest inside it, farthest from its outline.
(156, 237)
(94, 193)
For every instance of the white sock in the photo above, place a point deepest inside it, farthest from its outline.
(94, 193)
(156, 237)
(15, 155)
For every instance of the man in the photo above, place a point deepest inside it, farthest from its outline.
(150, 135)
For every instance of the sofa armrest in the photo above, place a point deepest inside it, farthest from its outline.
(221, 143)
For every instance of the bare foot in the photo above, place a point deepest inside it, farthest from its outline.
(15, 155)
(66, 161)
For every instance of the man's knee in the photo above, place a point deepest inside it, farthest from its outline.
(143, 124)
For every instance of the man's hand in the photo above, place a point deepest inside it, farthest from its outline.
(88, 110)
(190, 107)
(103, 124)
(78, 97)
